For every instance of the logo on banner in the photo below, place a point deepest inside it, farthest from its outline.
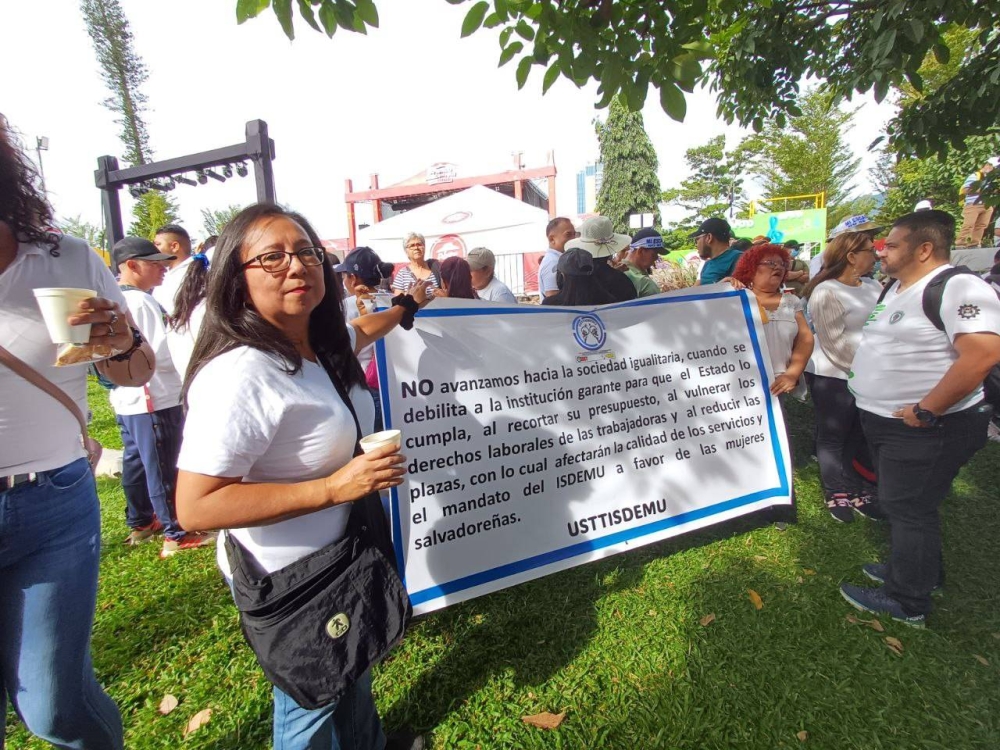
(588, 330)
(448, 245)
(456, 217)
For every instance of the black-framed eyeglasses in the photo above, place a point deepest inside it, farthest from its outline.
(777, 265)
(276, 261)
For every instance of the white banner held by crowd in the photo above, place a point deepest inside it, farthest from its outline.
(539, 438)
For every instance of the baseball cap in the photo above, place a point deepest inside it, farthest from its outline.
(480, 258)
(860, 223)
(924, 205)
(138, 248)
(717, 227)
(994, 160)
(598, 238)
(361, 261)
(648, 239)
(575, 262)
(792, 244)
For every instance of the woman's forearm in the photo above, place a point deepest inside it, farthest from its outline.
(240, 504)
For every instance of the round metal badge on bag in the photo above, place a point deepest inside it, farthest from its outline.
(338, 625)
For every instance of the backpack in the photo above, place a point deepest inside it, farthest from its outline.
(931, 302)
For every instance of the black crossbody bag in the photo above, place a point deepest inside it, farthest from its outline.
(320, 623)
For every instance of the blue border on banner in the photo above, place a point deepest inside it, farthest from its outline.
(574, 550)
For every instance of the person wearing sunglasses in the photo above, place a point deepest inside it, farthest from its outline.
(840, 300)
(762, 269)
(276, 398)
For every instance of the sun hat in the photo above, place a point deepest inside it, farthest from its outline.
(598, 237)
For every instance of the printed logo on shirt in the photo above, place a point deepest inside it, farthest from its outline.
(896, 317)
(878, 308)
(968, 312)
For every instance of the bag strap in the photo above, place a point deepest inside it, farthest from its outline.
(934, 294)
(885, 291)
(435, 267)
(29, 373)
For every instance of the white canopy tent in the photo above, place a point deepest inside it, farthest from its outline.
(453, 225)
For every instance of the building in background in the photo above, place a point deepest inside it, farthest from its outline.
(588, 184)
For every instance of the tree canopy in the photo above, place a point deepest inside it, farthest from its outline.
(715, 183)
(629, 184)
(754, 55)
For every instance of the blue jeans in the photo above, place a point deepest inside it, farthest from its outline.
(50, 545)
(152, 443)
(352, 723)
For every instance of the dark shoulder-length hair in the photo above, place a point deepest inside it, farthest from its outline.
(456, 273)
(193, 287)
(746, 266)
(231, 322)
(23, 206)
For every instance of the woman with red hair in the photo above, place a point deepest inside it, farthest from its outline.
(762, 269)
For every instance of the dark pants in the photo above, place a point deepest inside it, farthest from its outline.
(915, 468)
(152, 443)
(379, 426)
(839, 437)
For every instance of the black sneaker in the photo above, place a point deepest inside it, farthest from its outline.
(839, 505)
(878, 571)
(878, 602)
(866, 504)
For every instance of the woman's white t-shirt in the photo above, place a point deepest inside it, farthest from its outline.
(352, 312)
(181, 342)
(248, 418)
(780, 331)
(838, 312)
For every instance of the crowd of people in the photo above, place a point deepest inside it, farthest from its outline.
(243, 379)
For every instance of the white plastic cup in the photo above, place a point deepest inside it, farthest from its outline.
(57, 304)
(381, 439)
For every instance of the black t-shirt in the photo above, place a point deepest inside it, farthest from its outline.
(615, 282)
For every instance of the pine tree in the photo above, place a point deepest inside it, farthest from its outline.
(151, 211)
(123, 72)
(629, 184)
(808, 155)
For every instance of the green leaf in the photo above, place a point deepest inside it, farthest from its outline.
(474, 18)
(942, 53)
(508, 53)
(550, 76)
(328, 17)
(672, 100)
(523, 68)
(524, 30)
(505, 35)
(283, 10)
(368, 12)
(306, 11)
(492, 21)
(247, 9)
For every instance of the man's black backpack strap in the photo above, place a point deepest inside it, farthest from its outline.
(885, 291)
(934, 293)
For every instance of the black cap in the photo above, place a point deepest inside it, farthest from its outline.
(136, 247)
(717, 227)
(575, 262)
(648, 239)
(362, 262)
(793, 244)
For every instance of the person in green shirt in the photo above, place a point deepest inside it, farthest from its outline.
(646, 246)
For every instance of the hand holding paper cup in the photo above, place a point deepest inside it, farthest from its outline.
(57, 304)
(382, 439)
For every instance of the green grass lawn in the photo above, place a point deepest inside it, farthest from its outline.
(617, 645)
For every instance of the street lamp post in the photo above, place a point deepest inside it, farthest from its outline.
(41, 144)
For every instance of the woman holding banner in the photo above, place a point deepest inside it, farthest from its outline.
(277, 405)
(840, 300)
(762, 269)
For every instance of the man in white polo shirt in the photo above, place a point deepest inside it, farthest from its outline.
(150, 417)
(172, 239)
(559, 231)
(920, 392)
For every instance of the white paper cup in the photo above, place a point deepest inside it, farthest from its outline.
(57, 304)
(380, 439)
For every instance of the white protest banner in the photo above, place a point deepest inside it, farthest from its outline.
(539, 438)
